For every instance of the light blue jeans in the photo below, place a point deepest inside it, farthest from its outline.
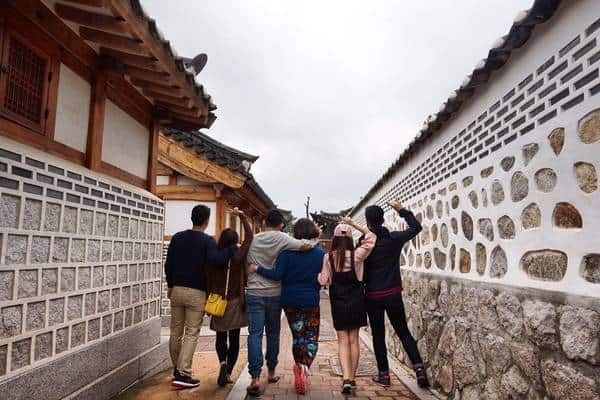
(264, 316)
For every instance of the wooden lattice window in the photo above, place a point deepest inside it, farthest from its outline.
(26, 73)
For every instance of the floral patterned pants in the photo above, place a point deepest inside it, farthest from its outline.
(304, 324)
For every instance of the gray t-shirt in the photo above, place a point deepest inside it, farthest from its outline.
(264, 250)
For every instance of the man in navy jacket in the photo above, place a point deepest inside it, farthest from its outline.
(384, 290)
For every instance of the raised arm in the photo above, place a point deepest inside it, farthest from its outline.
(290, 243)
(367, 240)
(278, 271)
(242, 252)
(414, 227)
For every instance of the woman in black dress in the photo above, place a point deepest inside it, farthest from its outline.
(343, 272)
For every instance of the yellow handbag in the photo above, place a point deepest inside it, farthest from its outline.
(216, 304)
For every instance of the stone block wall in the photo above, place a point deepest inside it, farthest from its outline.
(80, 260)
(503, 284)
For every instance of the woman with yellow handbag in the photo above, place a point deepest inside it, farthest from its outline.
(225, 302)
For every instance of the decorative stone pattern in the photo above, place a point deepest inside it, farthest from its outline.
(60, 249)
(539, 260)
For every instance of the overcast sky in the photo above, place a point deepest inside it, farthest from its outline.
(329, 93)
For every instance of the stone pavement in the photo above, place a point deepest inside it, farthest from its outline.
(325, 381)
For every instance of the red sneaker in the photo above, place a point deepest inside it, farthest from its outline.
(300, 380)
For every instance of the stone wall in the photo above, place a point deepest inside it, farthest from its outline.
(503, 283)
(484, 341)
(80, 263)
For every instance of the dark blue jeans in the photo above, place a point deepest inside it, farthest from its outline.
(264, 316)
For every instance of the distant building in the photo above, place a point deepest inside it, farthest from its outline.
(328, 221)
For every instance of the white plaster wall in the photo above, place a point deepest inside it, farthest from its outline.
(184, 180)
(126, 141)
(571, 20)
(178, 214)
(162, 180)
(72, 109)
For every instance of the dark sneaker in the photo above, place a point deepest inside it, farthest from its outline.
(382, 379)
(346, 387)
(254, 390)
(222, 379)
(353, 385)
(422, 380)
(183, 381)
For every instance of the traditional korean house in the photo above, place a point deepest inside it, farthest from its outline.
(327, 221)
(196, 169)
(85, 88)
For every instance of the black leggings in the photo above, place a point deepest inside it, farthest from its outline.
(394, 308)
(228, 354)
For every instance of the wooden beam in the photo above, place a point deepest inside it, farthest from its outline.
(123, 175)
(173, 179)
(153, 157)
(96, 122)
(163, 98)
(163, 170)
(123, 94)
(189, 196)
(102, 22)
(112, 41)
(172, 91)
(147, 75)
(145, 62)
(187, 112)
(90, 3)
(185, 189)
(220, 216)
(139, 29)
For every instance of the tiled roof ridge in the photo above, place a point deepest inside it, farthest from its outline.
(498, 55)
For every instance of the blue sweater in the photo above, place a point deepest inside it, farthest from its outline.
(298, 273)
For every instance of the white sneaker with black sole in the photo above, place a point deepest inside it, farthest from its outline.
(183, 381)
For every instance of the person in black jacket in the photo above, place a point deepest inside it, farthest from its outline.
(384, 290)
(189, 253)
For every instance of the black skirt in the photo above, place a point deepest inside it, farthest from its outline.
(347, 298)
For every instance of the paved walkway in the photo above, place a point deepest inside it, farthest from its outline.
(325, 381)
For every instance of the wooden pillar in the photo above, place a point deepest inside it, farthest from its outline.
(153, 156)
(96, 122)
(220, 217)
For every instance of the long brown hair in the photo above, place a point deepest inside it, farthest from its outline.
(339, 246)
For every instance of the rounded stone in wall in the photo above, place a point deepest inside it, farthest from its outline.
(589, 127)
(473, 199)
(467, 225)
(432, 196)
(427, 259)
(455, 202)
(429, 211)
(506, 227)
(507, 163)
(425, 235)
(434, 232)
(529, 151)
(447, 208)
(497, 192)
(452, 256)
(452, 187)
(480, 258)
(442, 191)
(465, 261)
(566, 216)
(590, 267)
(444, 235)
(486, 228)
(531, 217)
(498, 262)
(484, 198)
(487, 171)
(402, 260)
(411, 258)
(519, 186)
(440, 258)
(587, 178)
(556, 138)
(454, 224)
(419, 261)
(439, 209)
(467, 181)
(545, 265)
(545, 180)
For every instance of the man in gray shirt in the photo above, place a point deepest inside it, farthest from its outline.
(263, 297)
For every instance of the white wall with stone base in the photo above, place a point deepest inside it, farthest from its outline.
(80, 278)
(503, 284)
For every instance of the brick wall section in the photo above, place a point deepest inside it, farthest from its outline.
(80, 259)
